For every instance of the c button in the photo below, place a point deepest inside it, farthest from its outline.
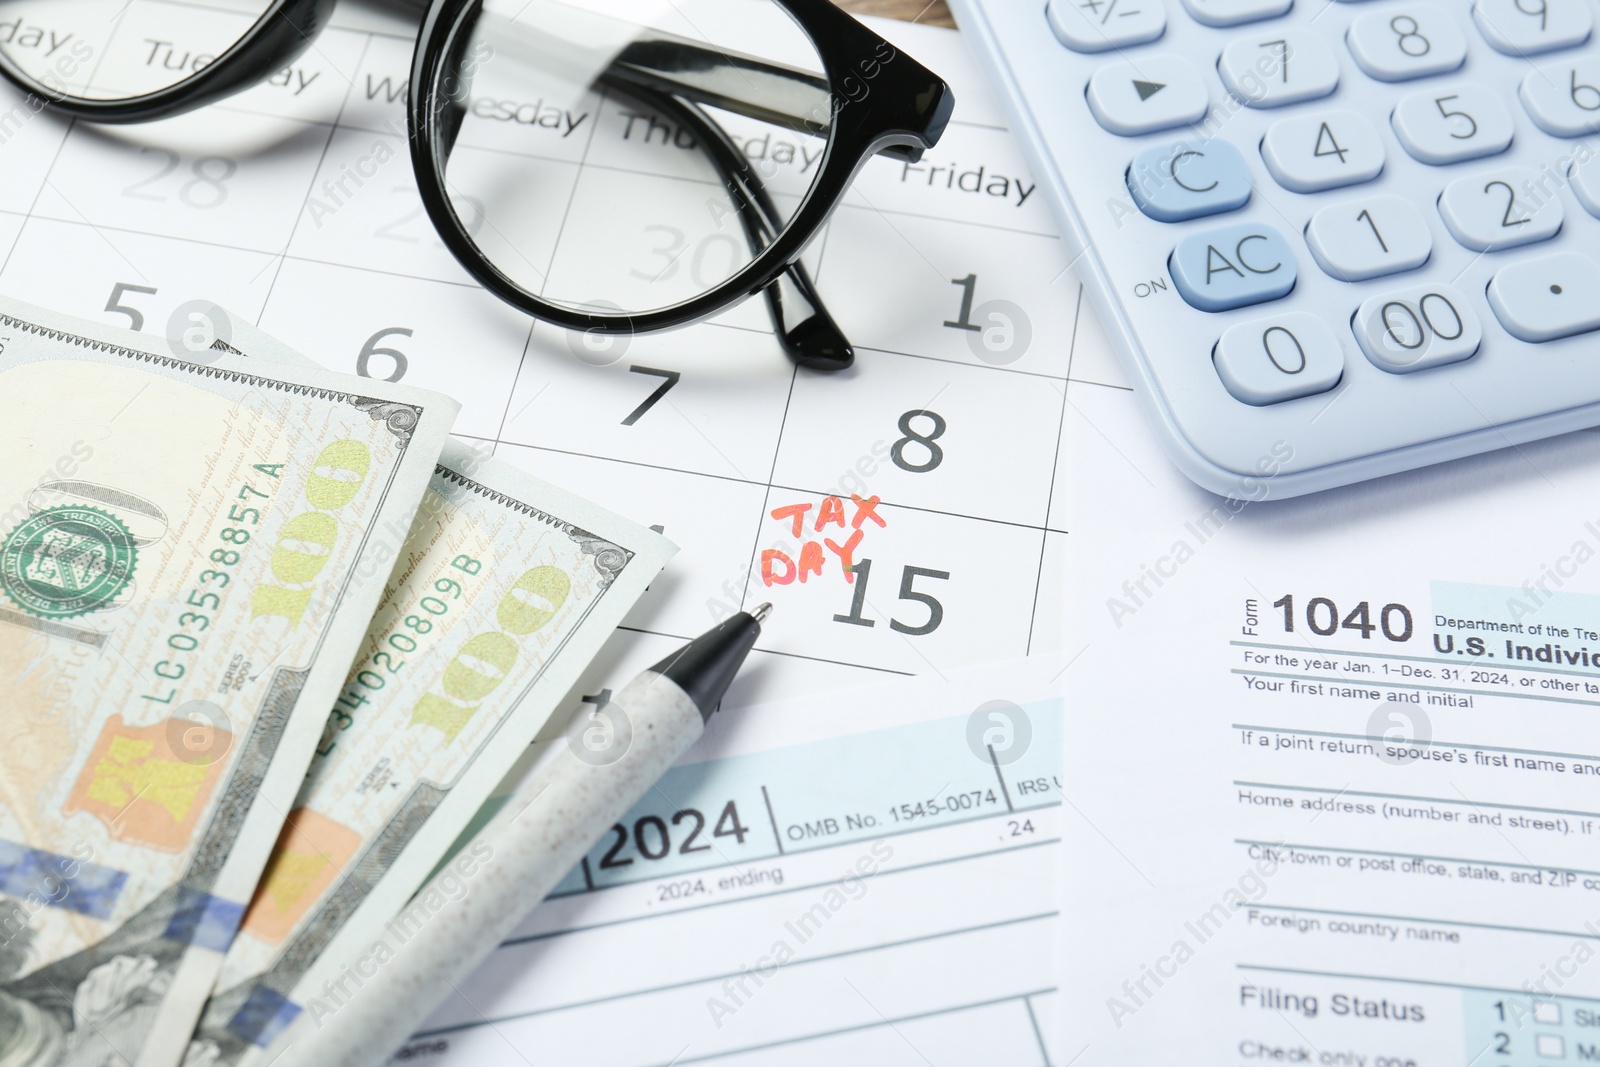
(1175, 182)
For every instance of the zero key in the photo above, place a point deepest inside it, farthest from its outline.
(1282, 357)
(1150, 94)
(1547, 298)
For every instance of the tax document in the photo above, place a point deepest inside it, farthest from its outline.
(863, 878)
(1332, 777)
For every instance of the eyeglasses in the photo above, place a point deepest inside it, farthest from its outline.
(612, 166)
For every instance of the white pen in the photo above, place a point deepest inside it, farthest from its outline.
(567, 802)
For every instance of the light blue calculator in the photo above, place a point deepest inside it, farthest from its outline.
(1331, 240)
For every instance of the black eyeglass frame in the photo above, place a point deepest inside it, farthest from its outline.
(902, 109)
(880, 101)
(277, 38)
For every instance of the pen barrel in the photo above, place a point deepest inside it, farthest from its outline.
(568, 801)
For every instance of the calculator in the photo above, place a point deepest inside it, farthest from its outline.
(1330, 240)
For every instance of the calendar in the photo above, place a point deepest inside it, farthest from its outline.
(902, 516)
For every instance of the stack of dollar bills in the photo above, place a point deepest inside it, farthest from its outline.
(268, 639)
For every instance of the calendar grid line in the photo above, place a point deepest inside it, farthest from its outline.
(511, 394)
(579, 164)
(220, 9)
(279, 260)
(766, 496)
(1102, 385)
(34, 204)
(1072, 341)
(964, 363)
(527, 341)
(466, 283)
(909, 243)
(311, 43)
(807, 490)
(357, 126)
(930, 511)
(614, 459)
(294, 227)
(822, 251)
(344, 105)
(572, 194)
(1055, 466)
(407, 37)
(100, 59)
(617, 168)
(976, 223)
(96, 230)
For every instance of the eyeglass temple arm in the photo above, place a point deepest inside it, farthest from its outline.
(662, 62)
(806, 331)
(734, 81)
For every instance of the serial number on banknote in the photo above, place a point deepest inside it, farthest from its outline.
(203, 595)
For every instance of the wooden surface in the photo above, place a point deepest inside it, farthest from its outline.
(933, 14)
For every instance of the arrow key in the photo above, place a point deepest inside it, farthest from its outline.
(1153, 93)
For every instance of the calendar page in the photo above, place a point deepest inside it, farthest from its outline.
(905, 517)
(930, 466)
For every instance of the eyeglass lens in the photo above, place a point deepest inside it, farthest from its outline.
(630, 155)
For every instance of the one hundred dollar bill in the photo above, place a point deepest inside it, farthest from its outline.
(506, 589)
(187, 566)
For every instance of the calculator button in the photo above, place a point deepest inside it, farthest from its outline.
(1413, 42)
(1440, 126)
(1156, 93)
(1283, 357)
(1232, 267)
(1277, 68)
(1564, 98)
(1527, 27)
(1585, 178)
(1414, 329)
(1369, 238)
(1235, 12)
(1101, 25)
(1326, 151)
(1500, 209)
(1546, 298)
(1172, 183)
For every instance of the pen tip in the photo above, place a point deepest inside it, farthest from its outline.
(761, 612)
